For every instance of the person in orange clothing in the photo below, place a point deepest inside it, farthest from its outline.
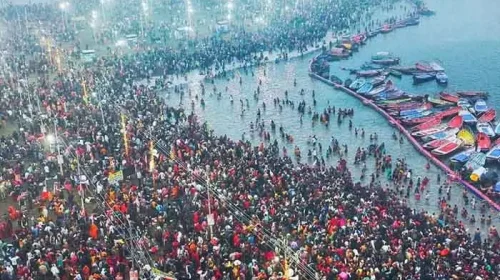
(93, 231)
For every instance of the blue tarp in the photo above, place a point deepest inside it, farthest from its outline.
(497, 187)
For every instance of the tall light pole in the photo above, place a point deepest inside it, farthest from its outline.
(64, 7)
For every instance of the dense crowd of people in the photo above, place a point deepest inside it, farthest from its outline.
(104, 180)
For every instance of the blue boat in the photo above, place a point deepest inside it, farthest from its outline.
(416, 115)
(467, 116)
(494, 153)
(462, 157)
(366, 88)
(423, 77)
(412, 112)
(441, 135)
(480, 106)
(441, 78)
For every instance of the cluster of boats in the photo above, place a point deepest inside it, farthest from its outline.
(459, 123)
(349, 44)
(385, 64)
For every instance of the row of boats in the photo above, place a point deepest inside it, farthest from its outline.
(384, 63)
(444, 123)
(459, 125)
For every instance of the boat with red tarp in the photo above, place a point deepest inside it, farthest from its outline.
(456, 122)
(386, 28)
(434, 144)
(449, 112)
(416, 121)
(488, 116)
(426, 125)
(429, 131)
(450, 97)
(447, 148)
(483, 142)
(424, 67)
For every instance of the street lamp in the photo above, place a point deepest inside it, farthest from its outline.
(64, 7)
(50, 138)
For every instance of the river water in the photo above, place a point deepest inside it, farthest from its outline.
(463, 35)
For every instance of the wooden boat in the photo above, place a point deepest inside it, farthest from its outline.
(456, 122)
(377, 90)
(412, 21)
(483, 142)
(386, 28)
(476, 160)
(441, 78)
(396, 101)
(462, 157)
(405, 69)
(488, 116)
(424, 107)
(467, 116)
(439, 102)
(357, 84)
(426, 125)
(399, 24)
(381, 55)
(423, 67)
(485, 128)
(480, 106)
(371, 66)
(399, 106)
(467, 137)
(494, 153)
(434, 144)
(389, 94)
(464, 103)
(497, 129)
(449, 112)
(335, 79)
(368, 73)
(419, 120)
(497, 142)
(358, 38)
(425, 11)
(447, 148)
(472, 93)
(429, 131)
(416, 115)
(449, 97)
(386, 61)
(367, 87)
(339, 53)
(395, 73)
(423, 77)
(371, 34)
(442, 134)
(436, 67)
(378, 80)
